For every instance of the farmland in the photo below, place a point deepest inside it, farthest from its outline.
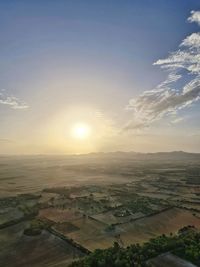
(57, 209)
(169, 221)
(45, 249)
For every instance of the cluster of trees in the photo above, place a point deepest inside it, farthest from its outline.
(18, 200)
(185, 245)
(36, 227)
(141, 204)
(29, 211)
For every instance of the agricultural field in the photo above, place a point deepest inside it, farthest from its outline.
(67, 207)
(10, 214)
(168, 259)
(22, 251)
(91, 234)
(59, 215)
(166, 222)
(110, 218)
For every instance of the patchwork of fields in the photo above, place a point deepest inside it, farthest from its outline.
(70, 206)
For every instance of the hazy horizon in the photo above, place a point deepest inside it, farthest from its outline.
(101, 153)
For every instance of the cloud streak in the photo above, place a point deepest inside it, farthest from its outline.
(12, 101)
(165, 99)
(6, 140)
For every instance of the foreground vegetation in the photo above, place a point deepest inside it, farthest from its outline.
(186, 244)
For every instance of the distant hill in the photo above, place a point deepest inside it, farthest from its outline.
(118, 155)
(174, 155)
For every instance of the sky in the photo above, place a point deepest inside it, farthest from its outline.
(90, 76)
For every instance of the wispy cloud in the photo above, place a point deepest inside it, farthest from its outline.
(154, 104)
(177, 120)
(12, 101)
(6, 140)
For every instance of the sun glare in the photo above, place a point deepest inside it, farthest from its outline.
(81, 131)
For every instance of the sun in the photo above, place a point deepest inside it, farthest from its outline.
(81, 131)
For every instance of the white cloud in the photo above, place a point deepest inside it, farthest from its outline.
(172, 77)
(12, 101)
(154, 104)
(192, 41)
(177, 120)
(195, 17)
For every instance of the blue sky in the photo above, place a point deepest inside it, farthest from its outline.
(74, 58)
